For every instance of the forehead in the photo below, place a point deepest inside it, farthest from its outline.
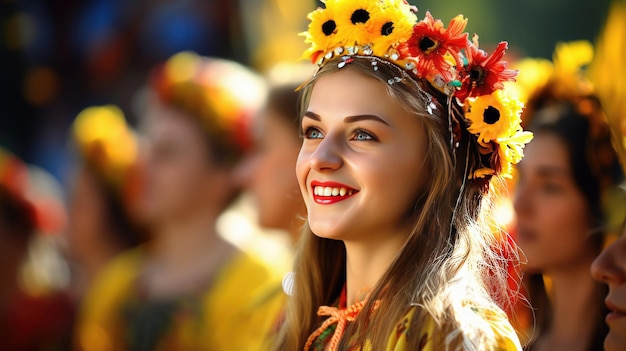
(546, 151)
(348, 92)
(168, 125)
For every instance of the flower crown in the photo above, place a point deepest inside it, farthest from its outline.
(222, 94)
(563, 81)
(452, 64)
(106, 142)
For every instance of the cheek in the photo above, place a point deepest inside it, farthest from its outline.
(562, 229)
(396, 181)
(302, 170)
(565, 217)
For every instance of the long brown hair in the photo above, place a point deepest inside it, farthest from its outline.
(447, 258)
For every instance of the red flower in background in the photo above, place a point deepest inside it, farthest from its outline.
(484, 73)
(431, 42)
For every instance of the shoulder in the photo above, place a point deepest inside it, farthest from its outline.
(479, 329)
(486, 328)
(243, 274)
(98, 316)
(246, 301)
(114, 280)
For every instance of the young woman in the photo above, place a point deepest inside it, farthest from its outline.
(188, 288)
(570, 168)
(102, 218)
(401, 148)
(267, 172)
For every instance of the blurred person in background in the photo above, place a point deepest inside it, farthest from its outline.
(105, 185)
(606, 72)
(188, 288)
(566, 183)
(268, 172)
(35, 315)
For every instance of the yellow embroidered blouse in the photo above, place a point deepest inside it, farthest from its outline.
(239, 311)
(481, 330)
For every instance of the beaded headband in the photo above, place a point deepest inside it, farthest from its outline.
(388, 31)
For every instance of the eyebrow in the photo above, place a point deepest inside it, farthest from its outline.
(349, 119)
(551, 171)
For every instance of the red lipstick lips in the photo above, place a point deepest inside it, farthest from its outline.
(328, 193)
(615, 313)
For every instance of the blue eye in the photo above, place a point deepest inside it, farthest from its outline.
(361, 135)
(312, 133)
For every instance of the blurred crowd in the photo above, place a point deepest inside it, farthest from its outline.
(164, 206)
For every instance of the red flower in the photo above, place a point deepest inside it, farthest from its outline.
(431, 41)
(484, 73)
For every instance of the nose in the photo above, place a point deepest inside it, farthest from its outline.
(327, 155)
(610, 266)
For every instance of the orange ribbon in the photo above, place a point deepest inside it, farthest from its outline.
(335, 315)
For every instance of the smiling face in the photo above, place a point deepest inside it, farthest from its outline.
(610, 268)
(361, 165)
(554, 219)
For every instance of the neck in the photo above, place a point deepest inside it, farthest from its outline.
(575, 308)
(184, 257)
(178, 241)
(366, 263)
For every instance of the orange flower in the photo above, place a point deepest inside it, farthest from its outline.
(430, 43)
(483, 74)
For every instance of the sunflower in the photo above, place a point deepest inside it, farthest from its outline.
(355, 19)
(321, 34)
(431, 41)
(493, 116)
(511, 148)
(483, 74)
(393, 25)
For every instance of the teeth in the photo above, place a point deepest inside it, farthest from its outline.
(330, 191)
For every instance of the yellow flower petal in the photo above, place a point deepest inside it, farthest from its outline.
(493, 116)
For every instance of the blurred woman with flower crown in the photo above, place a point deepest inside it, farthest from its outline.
(566, 183)
(102, 212)
(407, 133)
(188, 288)
(267, 172)
(610, 266)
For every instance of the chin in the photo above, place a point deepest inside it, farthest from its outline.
(327, 230)
(614, 342)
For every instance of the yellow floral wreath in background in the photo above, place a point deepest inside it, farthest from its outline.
(106, 142)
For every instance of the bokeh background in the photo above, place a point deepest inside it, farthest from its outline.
(60, 56)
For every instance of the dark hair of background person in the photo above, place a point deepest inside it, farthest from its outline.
(17, 216)
(125, 232)
(285, 101)
(594, 166)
